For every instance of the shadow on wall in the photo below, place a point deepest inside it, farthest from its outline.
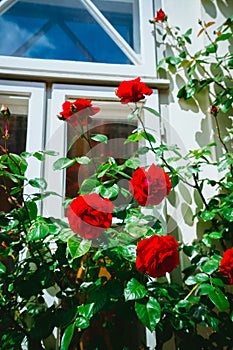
(212, 7)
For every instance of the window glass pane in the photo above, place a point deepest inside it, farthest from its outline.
(17, 141)
(112, 122)
(65, 30)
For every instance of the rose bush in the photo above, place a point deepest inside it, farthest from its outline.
(107, 263)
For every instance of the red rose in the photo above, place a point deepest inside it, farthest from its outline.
(226, 264)
(157, 255)
(160, 16)
(78, 111)
(89, 215)
(150, 187)
(132, 90)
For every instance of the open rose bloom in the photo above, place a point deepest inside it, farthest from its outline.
(157, 255)
(89, 215)
(150, 187)
(78, 112)
(132, 90)
(160, 16)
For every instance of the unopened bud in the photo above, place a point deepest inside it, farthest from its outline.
(5, 111)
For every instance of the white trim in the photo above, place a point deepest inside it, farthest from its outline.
(35, 120)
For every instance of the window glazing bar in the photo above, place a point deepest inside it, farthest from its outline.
(5, 5)
(111, 31)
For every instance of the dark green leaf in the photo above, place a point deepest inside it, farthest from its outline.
(134, 290)
(67, 337)
(2, 268)
(219, 299)
(38, 183)
(149, 314)
(148, 136)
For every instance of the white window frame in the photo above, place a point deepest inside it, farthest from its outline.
(56, 135)
(145, 63)
(35, 92)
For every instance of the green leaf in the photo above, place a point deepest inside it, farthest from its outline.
(38, 183)
(212, 48)
(128, 252)
(89, 186)
(201, 277)
(149, 314)
(216, 235)
(173, 60)
(63, 163)
(211, 265)
(99, 138)
(148, 136)
(205, 288)
(37, 231)
(31, 209)
(83, 160)
(86, 310)
(135, 137)
(207, 215)
(219, 299)
(67, 337)
(134, 290)
(224, 37)
(109, 192)
(78, 248)
(82, 322)
(17, 164)
(39, 155)
(2, 268)
(133, 163)
(151, 110)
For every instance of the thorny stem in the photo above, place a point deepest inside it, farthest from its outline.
(197, 187)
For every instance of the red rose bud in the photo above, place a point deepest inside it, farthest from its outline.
(160, 16)
(89, 215)
(132, 90)
(78, 112)
(151, 186)
(157, 255)
(214, 110)
(226, 264)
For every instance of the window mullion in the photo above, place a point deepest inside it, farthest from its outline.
(5, 5)
(111, 31)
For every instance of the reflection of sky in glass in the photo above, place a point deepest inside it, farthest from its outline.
(55, 32)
